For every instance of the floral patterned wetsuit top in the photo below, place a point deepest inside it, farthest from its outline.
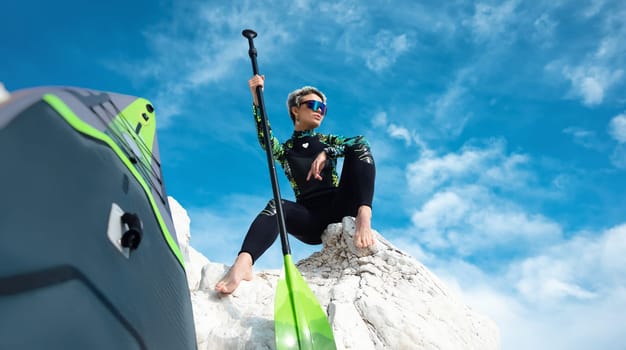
(297, 153)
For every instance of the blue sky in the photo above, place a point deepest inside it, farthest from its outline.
(498, 128)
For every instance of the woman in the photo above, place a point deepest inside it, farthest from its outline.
(309, 160)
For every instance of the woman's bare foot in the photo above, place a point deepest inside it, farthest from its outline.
(241, 270)
(363, 236)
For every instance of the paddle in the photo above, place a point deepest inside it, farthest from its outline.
(299, 320)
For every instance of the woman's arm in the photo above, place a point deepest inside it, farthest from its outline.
(336, 147)
(337, 144)
(277, 147)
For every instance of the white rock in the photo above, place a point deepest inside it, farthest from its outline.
(4, 93)
(194, 261)
(377, 298)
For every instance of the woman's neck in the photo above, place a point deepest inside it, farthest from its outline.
(299, 128)
(303, 133)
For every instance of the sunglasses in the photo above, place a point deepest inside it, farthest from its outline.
(315, 105)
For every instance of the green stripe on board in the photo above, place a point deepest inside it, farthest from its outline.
(83, 127)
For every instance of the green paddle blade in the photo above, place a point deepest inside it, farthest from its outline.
(299, 320)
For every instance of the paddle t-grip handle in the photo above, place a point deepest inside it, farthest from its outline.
(250, 35)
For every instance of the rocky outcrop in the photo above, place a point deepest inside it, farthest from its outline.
(379, 298)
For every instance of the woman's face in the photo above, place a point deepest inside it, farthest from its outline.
(306, 117)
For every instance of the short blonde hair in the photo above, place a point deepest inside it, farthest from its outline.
(293, 99)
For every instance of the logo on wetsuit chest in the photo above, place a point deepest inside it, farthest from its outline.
(305, 145)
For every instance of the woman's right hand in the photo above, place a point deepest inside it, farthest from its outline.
(256, 80)
(317, 166)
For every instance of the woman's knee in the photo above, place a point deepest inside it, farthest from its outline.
(360, 149)
(270, 208)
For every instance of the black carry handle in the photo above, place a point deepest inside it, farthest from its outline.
(282, 229)
(132, 237)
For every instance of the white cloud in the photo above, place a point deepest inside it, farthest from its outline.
(511, 224)
(618, 157)
(470, 219)
(547, 279)
(379, 120)
(465, 210)
(588, 323)
(590, 82)
(587, 266)
(508, 171)
(489, 21)
(584, 137)
(609, 47)
(443, 209)
(426, 174)
(343, 12)
(387, 48)
(489, 165)
(593, 7)
(575, 287)
(450, 108)
(593, 75)
(446, 101)
(438, 217)
(612, 248)
(617, 128)
(399, 132)
(411, 247)
(198, 45)
(544, 28)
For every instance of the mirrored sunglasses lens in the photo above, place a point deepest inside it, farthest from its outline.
(315, 105)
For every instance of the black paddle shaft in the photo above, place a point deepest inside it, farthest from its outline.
(282, 229)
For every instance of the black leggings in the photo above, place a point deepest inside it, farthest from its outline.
(308, 218)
